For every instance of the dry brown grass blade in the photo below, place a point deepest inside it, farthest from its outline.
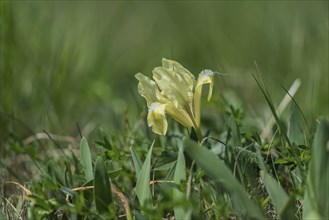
(44, 136)
(282, 106)
(152, 182)
(26, 191)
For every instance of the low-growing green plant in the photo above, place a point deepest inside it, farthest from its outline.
(186, 173)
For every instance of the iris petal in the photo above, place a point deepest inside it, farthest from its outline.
(157, 119)
(179, 69)
(173, 86)
(147, 88)
(205, 77)
(179, 115)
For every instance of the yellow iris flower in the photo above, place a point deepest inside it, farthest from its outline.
(175, 92)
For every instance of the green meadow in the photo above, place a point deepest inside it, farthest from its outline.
(230, 119)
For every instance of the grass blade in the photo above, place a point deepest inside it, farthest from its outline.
(178, 196)
(278, 196)
(218, 171)
(112, 174)
(275, 115)
(102, 188)
(180, 174)
(296, 131)
(86, 159)
(316, 202)
(136, 160)
(143, 191)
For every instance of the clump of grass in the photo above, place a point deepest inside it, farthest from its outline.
(234, 173)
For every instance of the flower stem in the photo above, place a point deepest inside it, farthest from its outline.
(195, 125)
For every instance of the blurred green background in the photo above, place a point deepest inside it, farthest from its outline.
(67, 62)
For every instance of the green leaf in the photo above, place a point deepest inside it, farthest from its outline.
(143, 191)
(164, 167)
(180, 174)
(218, 171)
(316, 202)
(289, 210)
(178, 196)
(55, 172)
(111, 174)
(171, 172)
(106, 144)
(136, 160)
(278, 196)
(296, 131)
(286, 161)
(86, 159)
(234, 142)
(88, 194)
(102, 188)
(235, 131)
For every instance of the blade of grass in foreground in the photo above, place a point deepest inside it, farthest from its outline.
(218, 171)
(143, 191)
(102, 188)
(316, 202)
(270, 104)
(136, 160)
(296, 132)
(279, 197)
(86, 159)
(180, 175)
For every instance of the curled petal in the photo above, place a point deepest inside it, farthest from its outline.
(205, 77)
(157, 119)
(147, 88)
